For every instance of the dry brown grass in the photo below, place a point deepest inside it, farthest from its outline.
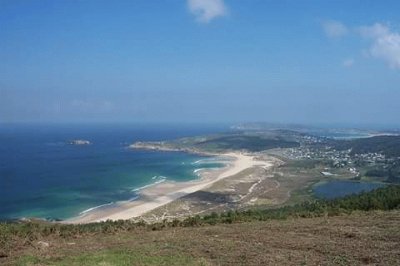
(359, 239)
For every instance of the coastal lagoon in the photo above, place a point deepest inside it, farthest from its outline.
(43, 176)
(340, 188)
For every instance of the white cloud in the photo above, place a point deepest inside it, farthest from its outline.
(334, 29)
(207, 10)
(375, 31)
(385, 43)
(348, 62)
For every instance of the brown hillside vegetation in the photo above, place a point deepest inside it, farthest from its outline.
(362, 238)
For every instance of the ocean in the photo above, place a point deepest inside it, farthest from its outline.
(43, 176)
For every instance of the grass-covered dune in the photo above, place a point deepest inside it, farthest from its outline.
(245, 142)
(289, 235)
(252, 142)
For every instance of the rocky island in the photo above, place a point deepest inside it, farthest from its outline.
(79, 142)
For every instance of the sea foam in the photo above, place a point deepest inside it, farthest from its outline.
(95, 208)
(161, 180)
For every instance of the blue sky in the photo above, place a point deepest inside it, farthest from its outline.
(200, 61)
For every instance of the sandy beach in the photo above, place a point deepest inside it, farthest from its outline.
(160, 194)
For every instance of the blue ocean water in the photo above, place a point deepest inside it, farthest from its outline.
(340, 188)
(43, 176)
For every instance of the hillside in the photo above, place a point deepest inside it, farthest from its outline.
(249, 141)
(356, 230)
(243, 142)
(387, 145)
(357, 239)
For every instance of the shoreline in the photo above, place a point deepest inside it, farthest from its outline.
(163, 193)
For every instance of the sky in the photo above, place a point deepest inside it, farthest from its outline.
(214, 61)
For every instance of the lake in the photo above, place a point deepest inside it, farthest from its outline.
(340, 188)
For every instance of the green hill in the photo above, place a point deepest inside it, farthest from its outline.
(387, 145)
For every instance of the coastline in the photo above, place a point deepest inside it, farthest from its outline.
(163, 193)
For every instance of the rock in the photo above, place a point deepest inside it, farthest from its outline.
(3, 255)
(80, 142)
(43, 244)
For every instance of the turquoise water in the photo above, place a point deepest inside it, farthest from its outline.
(339, 188)
(42, 176)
